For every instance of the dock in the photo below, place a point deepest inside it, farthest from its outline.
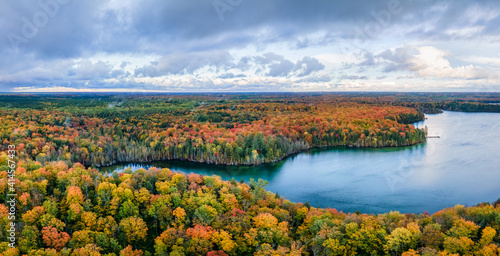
(432, 137)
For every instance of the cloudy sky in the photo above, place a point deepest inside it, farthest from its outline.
(249, 45)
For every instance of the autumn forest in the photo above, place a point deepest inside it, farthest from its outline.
(66, 206)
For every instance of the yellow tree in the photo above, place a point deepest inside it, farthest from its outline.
(135, 229)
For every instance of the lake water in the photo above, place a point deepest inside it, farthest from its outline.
(460, 167)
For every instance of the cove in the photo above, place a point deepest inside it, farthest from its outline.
(462, 166)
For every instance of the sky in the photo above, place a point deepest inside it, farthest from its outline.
(249, 45)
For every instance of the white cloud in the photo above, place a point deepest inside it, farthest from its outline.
(490, 61)
(432, 62)
(426, 62)
(87, 70)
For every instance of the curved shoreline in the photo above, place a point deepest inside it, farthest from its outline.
(205, 164)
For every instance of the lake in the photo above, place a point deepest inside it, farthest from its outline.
(460, 167)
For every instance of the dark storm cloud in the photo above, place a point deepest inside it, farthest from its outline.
(50, 28)
(79, 27)
(191, 35)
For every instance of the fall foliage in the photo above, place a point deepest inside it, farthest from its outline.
(228, 130)
(67, 207)
(160, 212)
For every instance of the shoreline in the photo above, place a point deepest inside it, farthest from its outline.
(206, 164)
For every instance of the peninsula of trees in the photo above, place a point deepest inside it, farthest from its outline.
(101, 130)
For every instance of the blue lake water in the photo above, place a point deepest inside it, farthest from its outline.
(460, 167)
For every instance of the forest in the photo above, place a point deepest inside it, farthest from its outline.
(66, 206)
(215, 129)
(73, 210)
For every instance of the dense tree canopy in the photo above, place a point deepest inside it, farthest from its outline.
(67, 207)
(73, 210)
(219, 130)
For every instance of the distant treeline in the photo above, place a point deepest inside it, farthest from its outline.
(438, 107)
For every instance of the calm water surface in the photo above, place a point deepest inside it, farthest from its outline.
(460, 167)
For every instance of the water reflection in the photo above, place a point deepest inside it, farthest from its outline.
(461, 167)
